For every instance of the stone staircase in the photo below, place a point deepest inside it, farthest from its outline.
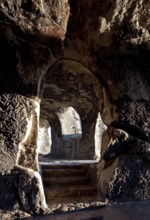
(67, 183)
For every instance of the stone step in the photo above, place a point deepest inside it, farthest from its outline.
(67, 181)
(73, 200)
(77, 191)
(47, 173)
(65, 166)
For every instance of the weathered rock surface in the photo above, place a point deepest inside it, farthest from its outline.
(20, 80)
(16, 112)
(101, 66)
(37, 17)
(20, 73)
(20, 183)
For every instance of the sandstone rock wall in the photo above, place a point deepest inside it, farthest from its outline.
(112, 39)
(23, 62)
(103, 45)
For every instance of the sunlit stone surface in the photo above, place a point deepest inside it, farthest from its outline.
(44, 137)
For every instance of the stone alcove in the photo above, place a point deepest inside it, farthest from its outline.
(71, 85)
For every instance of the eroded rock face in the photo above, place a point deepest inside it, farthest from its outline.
(15, 111)
(21, 76)
(18, 157)
(101, 66)
(131, 98)
(37, 17)
(107, 27)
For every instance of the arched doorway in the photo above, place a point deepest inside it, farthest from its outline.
(70, 88)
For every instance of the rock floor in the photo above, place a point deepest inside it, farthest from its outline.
(75, 206)
(86, 210)
(47, 161)
(125, 211)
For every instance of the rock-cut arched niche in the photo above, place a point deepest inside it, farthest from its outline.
(44, 137)
(70, 123)
(71, 131)
(71, 104)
